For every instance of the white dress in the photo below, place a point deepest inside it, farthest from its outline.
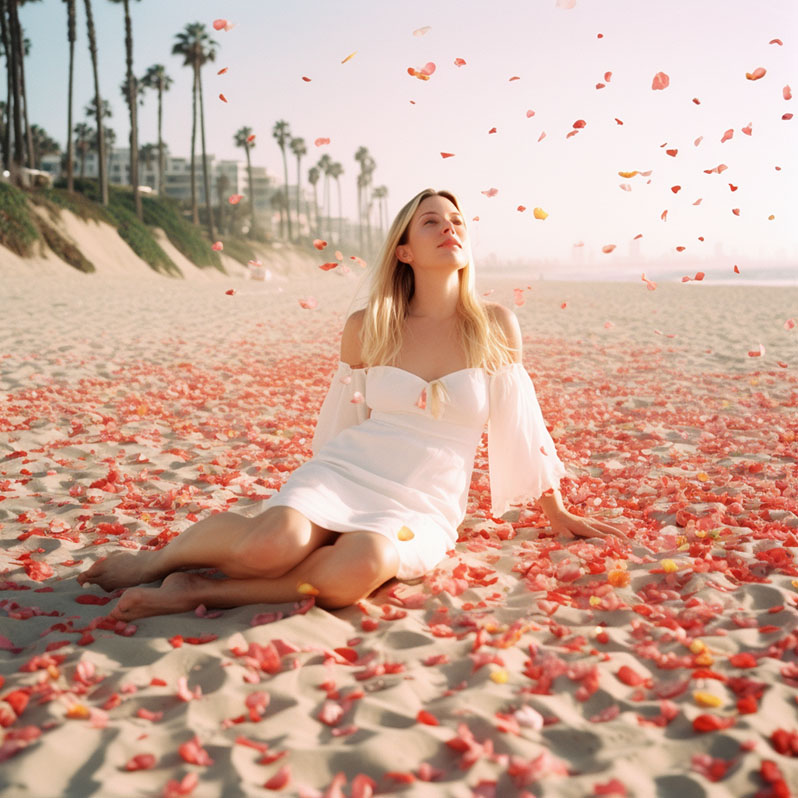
(404, 472)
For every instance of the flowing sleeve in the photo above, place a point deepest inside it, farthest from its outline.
(522, 459)
(344, 406)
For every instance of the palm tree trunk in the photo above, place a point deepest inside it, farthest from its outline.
(208, 198)
(194, 208)
(6, 39)
(360, 215)
(18, 158)
(287, 204)
(70, 141)
(298, 180)
(98, 102)
(161, 165)
(316, 206)
(82, 161)
(340, 213)
(31, 157)
(132, 103)
(251, 191)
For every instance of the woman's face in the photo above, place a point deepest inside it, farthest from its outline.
(436, 237)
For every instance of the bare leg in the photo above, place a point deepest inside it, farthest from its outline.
(275, 540)
(356, 565)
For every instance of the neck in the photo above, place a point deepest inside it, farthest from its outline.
(435, 295)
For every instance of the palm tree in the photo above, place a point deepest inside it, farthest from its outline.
(71, 36)
(282, 134)
(222, 187)
(156, 78)
(84, 134)
(147, 154)
(132, 96)
(324, 164)
(8, 106)
(361, 156)
(197, 48)
(98, 106)
(368, 166)
(42, 145)
(280, 199)
(299, 149)
(313, 177)
(336, 170)
(380, 193)
(246, 139)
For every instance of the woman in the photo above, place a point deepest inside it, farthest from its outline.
(422, 368)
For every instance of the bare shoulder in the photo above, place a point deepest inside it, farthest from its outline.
(507, 322)
(350, 339)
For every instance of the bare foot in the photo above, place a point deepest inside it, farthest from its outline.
(177, 593)
(122, 569)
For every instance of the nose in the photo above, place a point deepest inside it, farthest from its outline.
(448, 227)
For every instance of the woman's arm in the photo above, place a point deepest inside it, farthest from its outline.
(551, 503)
(350, 340)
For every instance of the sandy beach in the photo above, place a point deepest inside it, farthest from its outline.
(132, 405)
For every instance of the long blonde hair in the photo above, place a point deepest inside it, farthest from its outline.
(392, 289)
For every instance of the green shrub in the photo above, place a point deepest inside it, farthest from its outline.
(239, 249)
(65, 250)
(18, 230)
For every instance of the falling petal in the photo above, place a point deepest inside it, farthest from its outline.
(776, 41)
(607, 76)
(308, 303)
(747, 129)
(514, 77)
(491, 192)
(580, 123)
(407, 534)
(422, 31)
(458, 62)
(757, 352)
(736, 211)
(217, 246)
(530, 114)
(234, 199)
(351, 55)
(327, 266)
(447, 155)
(321, 141)
(357, 398)
(542, 136)
(222, 71)
(672, 153)
(518, 296)
(539, 213)
(607, 248)
(676, 189)
(306, 79)
(492, 130)
(758, 73)
(230, 291)
(727, 135)
(521, 208)
(698, 140)
(660, 81)
(319, 244)
(627, 174)
(786, 92)
(250, 138)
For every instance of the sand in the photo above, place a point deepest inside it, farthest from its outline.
(132, 405)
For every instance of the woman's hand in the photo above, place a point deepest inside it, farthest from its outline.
(564, 523)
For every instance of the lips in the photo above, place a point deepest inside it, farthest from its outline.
(450, 242)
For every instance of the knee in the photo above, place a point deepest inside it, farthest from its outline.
(267, 546)
(353, 569)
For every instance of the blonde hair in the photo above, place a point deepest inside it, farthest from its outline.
(392, 289)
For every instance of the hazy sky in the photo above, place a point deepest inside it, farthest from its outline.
(704, 46)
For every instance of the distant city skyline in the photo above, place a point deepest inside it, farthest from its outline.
(559, 57)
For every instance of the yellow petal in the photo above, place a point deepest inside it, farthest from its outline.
(701, 476)
(540, 213)
(307, 589)
(500, 677)
(707, 699)
(697, 646)
(595, 601)
(77, 712)
(669, 566)
(351, 55)
(628, 174)
(704, 659)
(405, 534)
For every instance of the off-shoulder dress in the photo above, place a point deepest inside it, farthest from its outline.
(403, 469)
